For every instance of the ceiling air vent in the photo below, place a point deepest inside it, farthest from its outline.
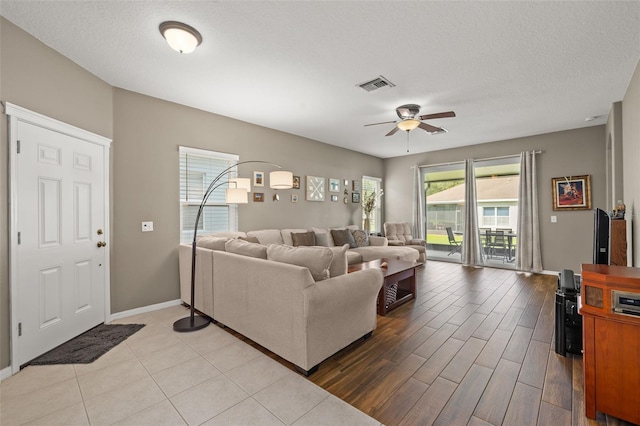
(375, 84)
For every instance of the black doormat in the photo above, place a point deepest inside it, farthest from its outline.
(89, 346)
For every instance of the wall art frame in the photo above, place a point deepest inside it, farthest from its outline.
(315, 188)
(258, 178)
(355, 197)
(571, 192)
(334, 185)
(258, 197)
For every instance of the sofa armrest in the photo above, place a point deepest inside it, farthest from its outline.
(204, 277)
(378, 241)
(339, 311)
(396, 243)
(418, 242)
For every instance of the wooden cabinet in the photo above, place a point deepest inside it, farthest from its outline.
(618, 243)
(611, 343)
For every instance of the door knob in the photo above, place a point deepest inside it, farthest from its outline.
(99, 231)
(101, 244)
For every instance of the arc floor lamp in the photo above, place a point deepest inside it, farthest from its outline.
(238, 194)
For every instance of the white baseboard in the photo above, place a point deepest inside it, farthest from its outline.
(5, 373)
(144, 309)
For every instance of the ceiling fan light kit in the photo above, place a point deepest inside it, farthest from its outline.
(181, 37)
(410, 120)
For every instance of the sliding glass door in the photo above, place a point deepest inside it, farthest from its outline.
(497, 183)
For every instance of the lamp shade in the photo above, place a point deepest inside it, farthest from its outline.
(408, 125)
(281, 180)
(180, 37)
(236, 196)
(240, 183)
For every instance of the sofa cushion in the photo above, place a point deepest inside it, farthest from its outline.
(361, 238)
(229, 234)
(212, 243)
(343, 236)
(339, 263)
(246, 248)
(316, 259)
(353, 257)
(250, 239)
(267, 236)
(303, 238)
(389, 252)
(287, 238)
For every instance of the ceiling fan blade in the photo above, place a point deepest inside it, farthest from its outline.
(447, 114)
(395, 129)
(375, 124)
(429, 128)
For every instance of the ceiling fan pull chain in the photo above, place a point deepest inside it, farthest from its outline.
(407, 141)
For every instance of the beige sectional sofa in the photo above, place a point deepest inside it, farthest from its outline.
(290, 309)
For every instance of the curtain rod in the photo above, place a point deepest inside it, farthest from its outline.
(479, 159)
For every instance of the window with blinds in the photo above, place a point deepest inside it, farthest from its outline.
(198, 168)
(372, 185)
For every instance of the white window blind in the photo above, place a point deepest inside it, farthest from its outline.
(370, 185)
(198, 168)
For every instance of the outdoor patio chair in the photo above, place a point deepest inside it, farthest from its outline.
(453, 244)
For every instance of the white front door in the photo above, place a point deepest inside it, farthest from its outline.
(60, 260)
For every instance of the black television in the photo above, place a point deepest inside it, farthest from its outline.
(601, 232)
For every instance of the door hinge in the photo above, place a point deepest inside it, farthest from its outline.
(19, 238)
(19, 329)
(18, 141)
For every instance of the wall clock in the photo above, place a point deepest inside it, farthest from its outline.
(315, 188)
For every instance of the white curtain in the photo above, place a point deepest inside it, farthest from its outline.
(418, 205)
(471, 246)
(528, 256)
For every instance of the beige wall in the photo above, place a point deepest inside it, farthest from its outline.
(614, 162)
(631, 170)
(35, 77)
(565, 244)
(147, 134)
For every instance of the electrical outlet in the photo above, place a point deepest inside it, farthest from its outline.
(554, 219)
(147, 226)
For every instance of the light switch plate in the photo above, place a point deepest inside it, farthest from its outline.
(554, 219)
(147, 226)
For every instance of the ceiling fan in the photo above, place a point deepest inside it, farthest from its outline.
(409, 120)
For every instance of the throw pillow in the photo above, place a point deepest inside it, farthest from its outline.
(316, 259)
(361, 238)
(322, 239)
(250, 239)
(303, 239)
(245, 248)
(342, 237)
(339, 264)
(212, 243)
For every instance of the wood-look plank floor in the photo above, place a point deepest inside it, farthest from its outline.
(475, 347)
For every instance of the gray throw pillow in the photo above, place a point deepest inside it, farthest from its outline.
(342, 237)
(361, 238)
(245, 248)
(322, 239)
(303, 239)
(316, 259)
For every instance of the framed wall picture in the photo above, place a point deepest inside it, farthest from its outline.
(334, 198)
(296, 182)
(355, 185)
(355, 197)
(315, 188)
(258, 197)
(334, 185)
(571, 193)
(294, 198)
(258, 178)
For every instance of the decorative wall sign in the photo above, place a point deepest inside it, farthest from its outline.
(572, 193)
(334, 185)
(296, 182)
(315, 188)
(258, 178)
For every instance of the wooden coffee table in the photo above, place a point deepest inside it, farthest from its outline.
(397, 271)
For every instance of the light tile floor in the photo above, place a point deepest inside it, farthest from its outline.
(160, 377)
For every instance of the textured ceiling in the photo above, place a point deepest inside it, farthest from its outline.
(508, 69)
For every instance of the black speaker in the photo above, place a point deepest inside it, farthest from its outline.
(568, 320)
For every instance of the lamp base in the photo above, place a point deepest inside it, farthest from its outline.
(185, 324)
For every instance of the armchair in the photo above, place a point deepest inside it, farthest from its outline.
(399, 234)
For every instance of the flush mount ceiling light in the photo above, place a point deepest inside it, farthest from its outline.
(180, 37)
